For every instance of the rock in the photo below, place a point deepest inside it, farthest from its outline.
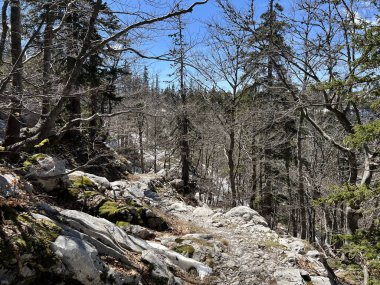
(47, 171)
(160, 272)
(139, 231)
(203, 212)
(247, 214)
(179, 207)
(9, 185)
(318, 280)
(295, 245)
(133, 189)
(103, 230)
(177, 183)
(313, 254)
(81, 259)
(115, 277)
(288, 276)
(101, 182)
(181, 261)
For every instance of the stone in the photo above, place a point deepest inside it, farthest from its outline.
(160, 272)
(288, 276)
(80, 258)
(177, 183)
(319, 280)
(101, 182)
(139, 231)
(9, 185)
(203, 212)
(313, 254)
(49, 172)
(247, 214)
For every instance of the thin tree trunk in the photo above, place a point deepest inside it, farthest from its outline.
(12, 133)
(140, 125)
(301, 186)
(4, 26)
(47, 57)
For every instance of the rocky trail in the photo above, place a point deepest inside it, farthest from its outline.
(138, 231)
(251, 253)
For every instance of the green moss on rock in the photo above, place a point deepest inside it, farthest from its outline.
(28, 242)
(109, 209)
(33, 159)
(122, 224)
(185, 249)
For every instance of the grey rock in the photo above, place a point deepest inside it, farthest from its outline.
(160, 272)
(247, 214)
(49, 172)
(9, 185)
(288, 276)
(101, 182)
(203, 212)
(177, 183)
(319, 280)
(80, 259)
(139, 231)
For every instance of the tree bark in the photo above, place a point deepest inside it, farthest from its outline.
(12, 133)
(301, 186)
(47, 57)
(4, 26)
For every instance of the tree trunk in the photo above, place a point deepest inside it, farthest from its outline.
(231, 165)
(4, 26)
(301, 186)
(48, 41)
(12, 133)
(140, 125)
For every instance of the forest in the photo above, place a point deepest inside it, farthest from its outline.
(269, 104)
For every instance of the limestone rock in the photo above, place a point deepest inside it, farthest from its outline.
(49, 172)
(246, 214)
(203, 212)
(288, 276)
(177, 183)
(80, 258)
(139, 231)
(101, 182)
(9, 185)
(160, 272)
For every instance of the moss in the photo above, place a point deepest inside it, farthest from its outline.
(179, 240)
(79, 184)
(89, 194)
(81, 181)
(122, 224)
(108, 209)
(185, 249)
(30, 239)
(33, 159)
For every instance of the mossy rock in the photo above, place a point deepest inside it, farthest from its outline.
(185, 249)
(114, 212)
(80, 185)
(122, 224)
(33, 159)
(28, 242)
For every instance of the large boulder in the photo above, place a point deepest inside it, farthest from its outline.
(101, 182)
(80, 258)
(49, 172)
(244, 215)
(160, 271)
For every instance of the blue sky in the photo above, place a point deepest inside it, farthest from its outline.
(159, 42)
